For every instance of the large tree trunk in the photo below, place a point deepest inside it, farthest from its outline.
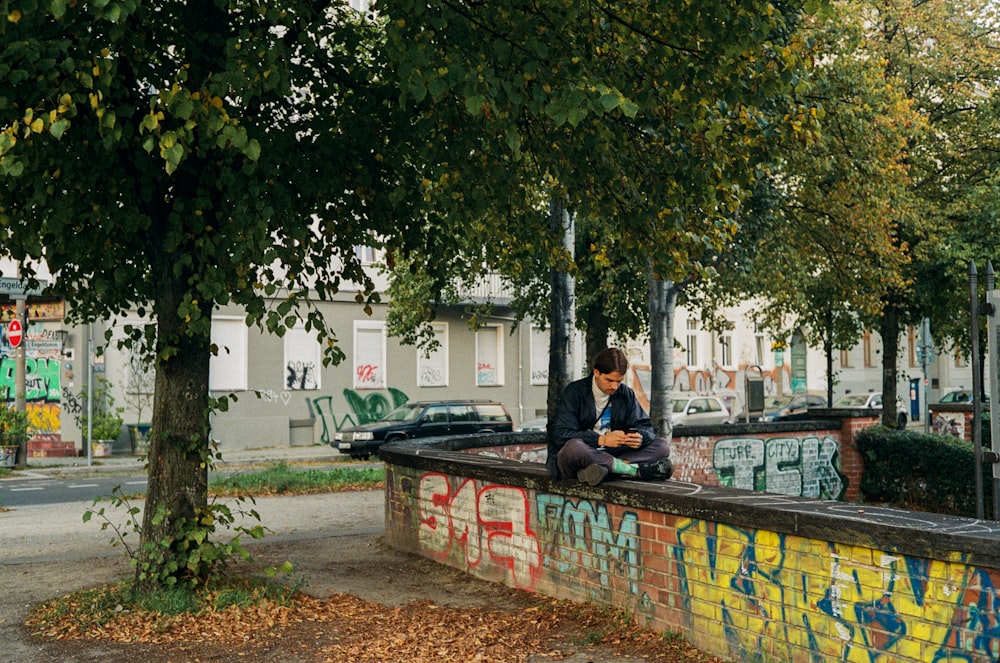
(179, 449)
(889, 330)
(598, 329)
(662, 301)
(561, 316)
(828, 355)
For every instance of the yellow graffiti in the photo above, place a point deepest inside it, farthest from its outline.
(783, 596)
(44, 417)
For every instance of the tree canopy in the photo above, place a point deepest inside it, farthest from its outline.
(170, 157)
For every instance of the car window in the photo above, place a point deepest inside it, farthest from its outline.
(876, 401)
(680, 404)
(699, 405)
(712, 405)
(404, 413)
(461, 412)
(492, 412)
(436, 414)
(853, 400)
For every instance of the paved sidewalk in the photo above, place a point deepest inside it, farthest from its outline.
(321, 453)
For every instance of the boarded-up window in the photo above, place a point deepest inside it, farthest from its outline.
(489, 356)
(539, 355)
(369, 355)
(432, 369)
(302, 360)
(228, 369)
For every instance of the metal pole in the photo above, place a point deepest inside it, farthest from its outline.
(977, 438)
(925, 362)
(993, 349)
(90, 394)
(20, 373)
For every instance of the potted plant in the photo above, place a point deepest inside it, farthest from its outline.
(14, 431)
(106, 425)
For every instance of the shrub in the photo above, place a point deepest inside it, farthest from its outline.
(911, 470)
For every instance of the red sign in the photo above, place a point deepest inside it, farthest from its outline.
(14, 333)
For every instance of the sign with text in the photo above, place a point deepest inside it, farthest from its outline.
(15, 287)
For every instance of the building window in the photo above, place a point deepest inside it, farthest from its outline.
(432, 368)
(759, 346)
(368, 255)
(302, 360)
(866, 347)
(692, 343)
(726, 348)
(228, 369)
(489, 356)
(539, 355)
(845, 358)
(369, 355)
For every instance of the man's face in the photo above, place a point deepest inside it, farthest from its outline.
(608, 382)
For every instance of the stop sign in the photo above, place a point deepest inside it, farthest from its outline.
(14, 333)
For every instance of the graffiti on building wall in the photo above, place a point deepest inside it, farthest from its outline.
(301, 375)
(42, 382)
(363, 409)
(42, 390)
(489, 524)
(861, 609)
(727, 384)
(802, 465)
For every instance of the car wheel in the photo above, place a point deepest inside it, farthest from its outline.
(901, 420)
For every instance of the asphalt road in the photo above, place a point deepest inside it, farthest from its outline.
(38, 490)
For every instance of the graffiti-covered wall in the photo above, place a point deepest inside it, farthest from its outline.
(745, 576)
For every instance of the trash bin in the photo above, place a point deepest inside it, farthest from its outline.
(754, 387)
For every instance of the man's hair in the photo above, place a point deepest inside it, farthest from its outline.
(611, 360)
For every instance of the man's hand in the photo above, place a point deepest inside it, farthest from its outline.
(619, 438)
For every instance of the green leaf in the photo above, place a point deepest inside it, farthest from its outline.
(474, 104)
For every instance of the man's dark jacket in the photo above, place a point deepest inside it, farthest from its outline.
(577, 414)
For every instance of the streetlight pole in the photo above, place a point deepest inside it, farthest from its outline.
(977, 433)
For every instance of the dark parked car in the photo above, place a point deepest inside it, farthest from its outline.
(779, 408)
(424, 419)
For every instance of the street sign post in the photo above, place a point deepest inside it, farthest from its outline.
(14, 333)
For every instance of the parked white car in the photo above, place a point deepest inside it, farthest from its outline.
(873, 401)
(699, 411)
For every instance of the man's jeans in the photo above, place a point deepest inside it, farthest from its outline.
(577, 454)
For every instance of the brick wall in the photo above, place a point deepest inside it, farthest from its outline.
(744, 576)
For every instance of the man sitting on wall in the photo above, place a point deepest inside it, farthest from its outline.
(601, 429)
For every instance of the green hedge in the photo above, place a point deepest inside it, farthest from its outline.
(933, 473)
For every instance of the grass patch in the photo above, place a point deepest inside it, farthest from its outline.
(281, 479)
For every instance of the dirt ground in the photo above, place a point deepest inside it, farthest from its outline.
(373, 603)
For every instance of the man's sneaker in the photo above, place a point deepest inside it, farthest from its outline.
(592, 474)
(658, 471)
